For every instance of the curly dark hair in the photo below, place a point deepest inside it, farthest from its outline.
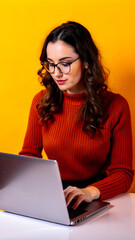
(95, 77)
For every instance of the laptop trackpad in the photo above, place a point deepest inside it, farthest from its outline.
(87, 209)
(82, 208)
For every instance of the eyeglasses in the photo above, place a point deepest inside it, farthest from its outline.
(63, 67)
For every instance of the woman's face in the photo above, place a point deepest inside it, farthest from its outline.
(61, 52)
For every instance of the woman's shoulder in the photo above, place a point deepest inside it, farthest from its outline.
(114, 104)
(115, 107)
(36, 99)
(38, 96)
(113, 99)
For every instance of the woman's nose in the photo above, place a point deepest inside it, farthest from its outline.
(57, 72)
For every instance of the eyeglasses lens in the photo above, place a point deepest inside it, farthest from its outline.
(62, 67)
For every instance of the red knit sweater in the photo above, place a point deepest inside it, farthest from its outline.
(79, 156)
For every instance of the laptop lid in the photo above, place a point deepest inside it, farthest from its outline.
(32, 187)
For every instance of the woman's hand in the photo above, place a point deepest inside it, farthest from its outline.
(87, 194)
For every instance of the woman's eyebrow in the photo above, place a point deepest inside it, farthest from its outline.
(59, 59)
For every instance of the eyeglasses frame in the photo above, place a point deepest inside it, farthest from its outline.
(55, 65)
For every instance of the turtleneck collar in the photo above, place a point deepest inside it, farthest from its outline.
(74, 99)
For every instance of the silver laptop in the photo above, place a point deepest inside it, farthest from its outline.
(32, 187)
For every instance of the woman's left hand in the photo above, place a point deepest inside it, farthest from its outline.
(87, 194)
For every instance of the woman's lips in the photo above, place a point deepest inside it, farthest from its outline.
(60, 81)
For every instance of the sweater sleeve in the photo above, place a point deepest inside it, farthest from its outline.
(32, 145)
(120, 172)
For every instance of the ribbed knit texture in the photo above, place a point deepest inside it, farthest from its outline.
(79, 156)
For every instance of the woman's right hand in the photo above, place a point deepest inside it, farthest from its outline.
(87, 194)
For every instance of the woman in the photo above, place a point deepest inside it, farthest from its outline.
(77, 121)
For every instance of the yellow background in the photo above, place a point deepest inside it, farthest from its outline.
(24, 25)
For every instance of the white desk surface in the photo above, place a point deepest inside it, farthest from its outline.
(117, 223)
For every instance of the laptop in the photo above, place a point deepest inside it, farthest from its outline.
(32, 187)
